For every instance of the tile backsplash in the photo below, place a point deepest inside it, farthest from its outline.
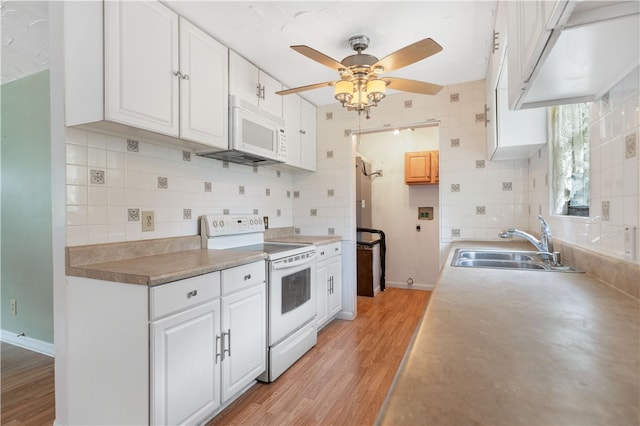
(614, 177)
(111, 180)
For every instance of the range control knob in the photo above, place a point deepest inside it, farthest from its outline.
(214, 223)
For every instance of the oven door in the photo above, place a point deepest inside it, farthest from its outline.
(292, 296)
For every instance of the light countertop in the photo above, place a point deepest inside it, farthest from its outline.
(520, 347)
(152, 262)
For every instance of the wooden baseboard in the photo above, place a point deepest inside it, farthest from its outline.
(29, 343)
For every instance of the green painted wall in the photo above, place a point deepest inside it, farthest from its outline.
(26, 258)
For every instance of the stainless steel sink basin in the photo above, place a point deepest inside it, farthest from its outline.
(495, 255)
(507, 259)
(509, 264)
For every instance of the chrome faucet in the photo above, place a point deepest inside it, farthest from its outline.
(544, 245)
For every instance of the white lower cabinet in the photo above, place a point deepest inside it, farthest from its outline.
(170, 354)
(329, 279)
(244, 333)
(204, 356)
(186, 367)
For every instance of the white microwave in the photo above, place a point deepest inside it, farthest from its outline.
(255, 137)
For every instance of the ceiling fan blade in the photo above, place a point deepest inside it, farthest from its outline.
(409, 54)
(318, 57)
(412, 86)
(305, 88)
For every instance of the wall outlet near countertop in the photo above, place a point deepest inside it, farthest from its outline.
(14, 307)
(630, 242)
(148, 221)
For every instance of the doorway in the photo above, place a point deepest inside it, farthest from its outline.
(412, 243)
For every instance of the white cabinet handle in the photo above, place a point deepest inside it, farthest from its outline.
(303, 132)
(192, 293)
(218, 354)
(226, 348)
(247, 277)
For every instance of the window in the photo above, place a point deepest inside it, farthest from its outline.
(570, 159)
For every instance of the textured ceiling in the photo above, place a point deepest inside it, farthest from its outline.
(25, 38)
(262, 32)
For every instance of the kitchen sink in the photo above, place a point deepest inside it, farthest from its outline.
(507, 259)
(495, 255)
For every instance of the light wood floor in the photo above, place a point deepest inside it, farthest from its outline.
(27, 387)
(343, 380)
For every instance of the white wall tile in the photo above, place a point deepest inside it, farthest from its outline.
(97, 213)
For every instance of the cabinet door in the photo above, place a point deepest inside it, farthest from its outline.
(532, 34)
(291, 115)
(243, 79)
(141, 57)
(203, 87)
(335, 285)
(269, 101)
(185, 379)
(308, 135)
(417, 167)
(435, 167)
(244, 327)
(322, 293)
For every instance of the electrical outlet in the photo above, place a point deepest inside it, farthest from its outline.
(148, 221)
(14, 307)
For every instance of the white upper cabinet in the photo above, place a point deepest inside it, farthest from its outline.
(569, 51)
(141, 51)
(291, 115)
(307, 135)
(253, 85)
(510, 134)
(136, 67)
(300, 121)
(203, 87)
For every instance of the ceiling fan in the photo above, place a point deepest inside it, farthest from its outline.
(361, 86)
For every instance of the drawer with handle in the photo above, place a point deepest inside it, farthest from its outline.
(177, 296)
(328, 250)
(240, 277)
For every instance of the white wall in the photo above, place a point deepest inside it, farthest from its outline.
(615, 177)
(410, 254)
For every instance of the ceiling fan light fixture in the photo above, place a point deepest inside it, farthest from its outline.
(360, 99)
(343, 91)
(376, 90)
(360, 86)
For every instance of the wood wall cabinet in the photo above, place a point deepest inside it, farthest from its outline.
(422, 168)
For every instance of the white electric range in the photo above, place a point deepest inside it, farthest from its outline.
(291, 286)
